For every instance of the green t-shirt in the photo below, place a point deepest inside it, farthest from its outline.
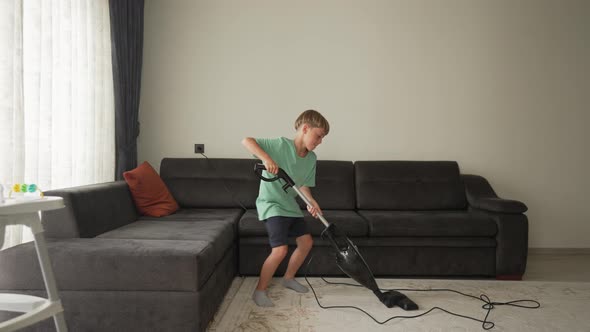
(272, 200)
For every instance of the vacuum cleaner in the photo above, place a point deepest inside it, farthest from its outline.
(348, 258)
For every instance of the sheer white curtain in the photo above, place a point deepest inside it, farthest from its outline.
(56, 95)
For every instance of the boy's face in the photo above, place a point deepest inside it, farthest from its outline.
(312, 137)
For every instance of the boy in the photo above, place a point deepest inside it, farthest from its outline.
(279, 210)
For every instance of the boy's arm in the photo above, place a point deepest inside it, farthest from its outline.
(250, 144)
(315, 208)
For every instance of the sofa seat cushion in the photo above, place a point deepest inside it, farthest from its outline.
(429, 224)
(201, 214)
(347, 220)
(368, 242)
(112, 265)
(220, 234)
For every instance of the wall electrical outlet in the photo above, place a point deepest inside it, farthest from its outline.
(199, 148)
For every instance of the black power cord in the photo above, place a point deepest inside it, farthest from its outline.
(488, 304)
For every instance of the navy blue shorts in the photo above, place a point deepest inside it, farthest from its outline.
(280, 228)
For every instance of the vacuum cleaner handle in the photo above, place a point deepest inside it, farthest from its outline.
(258, 168)
(289, 183)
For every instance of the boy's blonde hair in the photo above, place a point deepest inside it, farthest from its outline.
(314, 119)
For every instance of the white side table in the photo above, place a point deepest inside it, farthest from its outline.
(34, 309)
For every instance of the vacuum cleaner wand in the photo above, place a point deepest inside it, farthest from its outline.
(348, 258)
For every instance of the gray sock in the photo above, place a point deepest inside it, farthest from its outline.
(261, 299)
(294, 285)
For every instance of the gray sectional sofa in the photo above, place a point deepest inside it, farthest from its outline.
(117, 270)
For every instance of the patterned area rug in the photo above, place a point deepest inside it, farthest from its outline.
(563, 307)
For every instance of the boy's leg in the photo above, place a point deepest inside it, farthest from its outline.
(268, 270)
(278, 234)
(270, 266)
(304, 244)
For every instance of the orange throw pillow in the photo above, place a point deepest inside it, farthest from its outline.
(150, 194)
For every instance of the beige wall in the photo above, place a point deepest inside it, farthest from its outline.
(500, 86)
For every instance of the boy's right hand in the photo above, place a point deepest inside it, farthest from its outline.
(271, 166)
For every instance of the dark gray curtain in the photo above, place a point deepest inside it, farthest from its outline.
(127, 54)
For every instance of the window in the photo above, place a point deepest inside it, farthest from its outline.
(56, 95)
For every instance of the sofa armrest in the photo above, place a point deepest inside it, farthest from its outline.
(512, 236)
(511, 243)
(494, 204)
(90, 210)
(480, 195)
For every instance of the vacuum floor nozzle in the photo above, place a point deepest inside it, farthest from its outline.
(394, 298)
(350, 261)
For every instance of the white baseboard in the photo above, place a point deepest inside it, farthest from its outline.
(559, 251)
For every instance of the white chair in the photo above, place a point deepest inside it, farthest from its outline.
(34, 309)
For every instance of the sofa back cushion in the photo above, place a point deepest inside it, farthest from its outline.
(212, 182)
(409, 185)
(90, 210)
(334, 185)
